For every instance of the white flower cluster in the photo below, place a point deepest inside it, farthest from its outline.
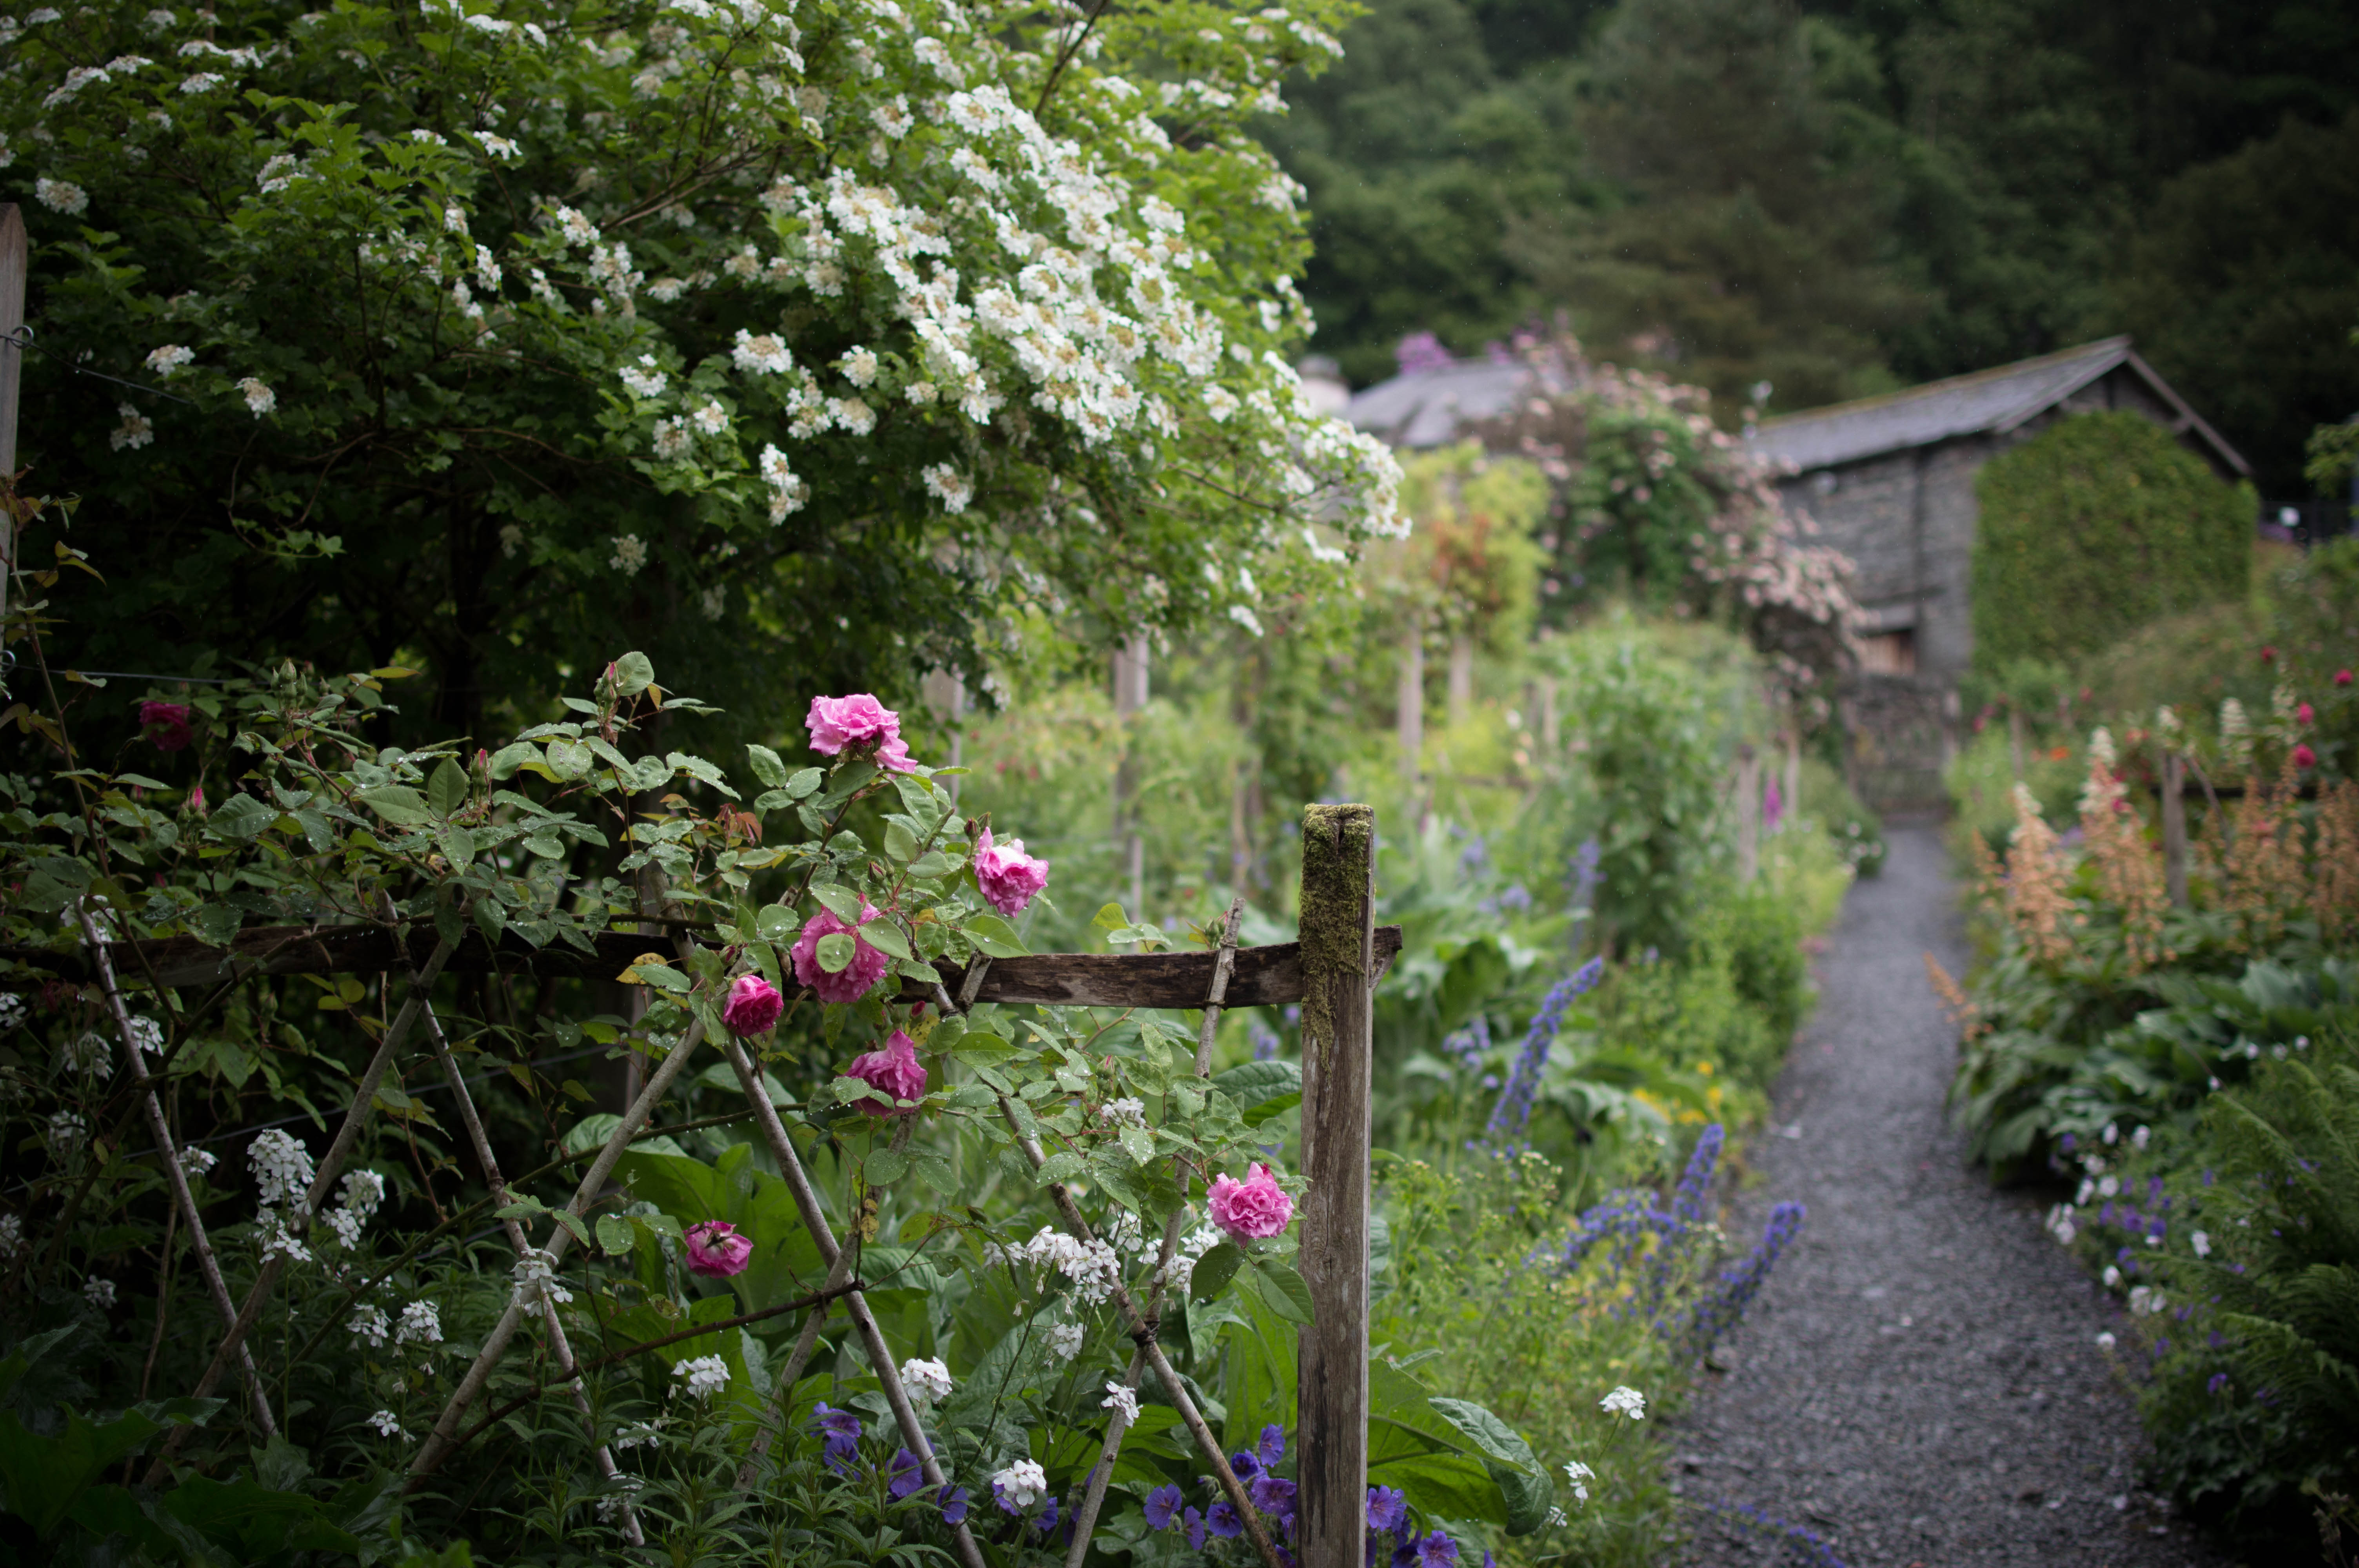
(1579, 1476)
(422, 1324)
(196, 1163)
(86, 1055)
(135, 432)
(12, 1235)
(1066, 1339)
(703, 1377)
(1624, 1401)
(926, 1380)
(536, 1278)
(13, 1010)
(282, 1168)
(66, 1132)
(1123, 1402)
(1021, 1485)
(370, 1326)
(364, 1191)
(1093, 1267)
(1126, 1112)
(641, 1435)
(387, 1424)
(98, 1292)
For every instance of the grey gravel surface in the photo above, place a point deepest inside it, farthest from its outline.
(1918, 1383)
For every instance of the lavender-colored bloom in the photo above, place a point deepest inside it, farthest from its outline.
(1245, 1465)
(906, 1474)
(1437, 1551)
(1718, 1311)
(1195, 1526)
(1404, 1548)
(954, 1507)
(2219, 1381)
(1222, 1519)
(1272, 1447)
(1273, 1495)
(1265, 1039)
(1471, 1044)
(1421, 353)
(1688, 1202)
(1804, 1545)
(1514, 1111)
(1048, 1520)
(1162, 1507)
(842, 1430)
(1387, 1508)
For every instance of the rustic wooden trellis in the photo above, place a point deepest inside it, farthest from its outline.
(1331, 972)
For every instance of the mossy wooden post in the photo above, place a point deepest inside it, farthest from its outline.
(2174, 827)
(1339, 973)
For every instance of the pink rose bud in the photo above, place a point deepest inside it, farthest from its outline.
(716, 1248)
(197, 800)
(850, 983)
(896, 1070)
(2304, 714)
(1009, 876)
(1251, 1209)
(856, 721)
(2303, 757)
(168, 723)
(753, 1006)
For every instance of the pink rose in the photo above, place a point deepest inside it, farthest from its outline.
(2342, 677)
(2303, 714)
(836, 722)
(1253, 1209)
(715, 1247)
(170, 724)
(852, 983)
(896, 1070)
(2303, 757)
(1009, 877)
(753, 1006)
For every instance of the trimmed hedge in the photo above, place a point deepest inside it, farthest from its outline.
(2099, 527)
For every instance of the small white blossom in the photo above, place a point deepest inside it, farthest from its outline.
(1624, 1401)
(258, 398)
(2146, 1301)
(703, 1377)
(13, 1010)
(1219, 403)
(641, 1435)
(171, 359)
(85, 1054)
(644, 379)
(951, 488)
(498, 146)
(511, 540)
(852, 413)
(761, 353)
(66, 1132)
(618, 1501)
(370, 1326)
(202, 81)
(859, 366)
(1022, 1483)
(2112, 1277)
(454, 220)
(487, 268)
(926, 1380)
(12, 1235)
(1556, 1518)
(629, 555)
(1579, 1476)
(710, 419)
(1065, 1340)
(713, 601)
(282, 1168)
(2201, 1242)
(422, 1324)
(146, 1034)
(98, 1292)
(61, 196)
(197, 1162)
(1123, 1402)
(387, 1424)
(1129, 1111)
(536, 1278)
(2105, 1341)
(671, 438)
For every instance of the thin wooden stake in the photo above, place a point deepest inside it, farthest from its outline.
(13, 264)
(1331, 1378)
(568, 1371)
(1085, 1517)
(184, 1202)
(2174, 827)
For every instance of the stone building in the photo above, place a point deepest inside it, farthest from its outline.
(1890, 481)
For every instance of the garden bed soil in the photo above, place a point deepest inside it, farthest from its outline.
(1919, 1382)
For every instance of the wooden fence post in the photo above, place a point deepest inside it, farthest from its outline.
(2174, 827)
(13, 263)
(1339, 972)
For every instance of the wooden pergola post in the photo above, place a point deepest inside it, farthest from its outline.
(2174, 827)
(1339, 973)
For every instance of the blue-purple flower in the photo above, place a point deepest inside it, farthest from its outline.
(1512, 1114)
(1436, 1551)
(1162, 1507)
(1245, 1465)
(1273, 1495)
(842, 1430)
(1387, 1508)
(954, 1506)
(1222, 1519)
(1195, 1526)
(907, 1474)
(1272, 1447)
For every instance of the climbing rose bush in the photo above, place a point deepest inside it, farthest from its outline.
(860, 312)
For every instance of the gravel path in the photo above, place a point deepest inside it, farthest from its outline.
(1919, 1382)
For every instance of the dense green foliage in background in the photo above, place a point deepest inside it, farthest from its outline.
(2100, 527)
(1838, 196)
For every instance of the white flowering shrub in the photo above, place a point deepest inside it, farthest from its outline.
(599, 314)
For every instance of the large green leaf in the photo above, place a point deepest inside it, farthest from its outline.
(253, 1520)
(1259, 1389)
(1523, 1483)
(46, 1474)
(1413, 1446)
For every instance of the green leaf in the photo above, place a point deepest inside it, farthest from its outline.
(571, 1222)
(1214, 1271)
(512, 756)
(767, 766)
(839, 901)
(992, 936)
(46, 1474)
(215, 923)
(884, 1168)
(803, 783)
(900, 844)
(1524, 1485)
(615, 1236)
(446, 788)
(1138, 1143)
(776, 922)
(662, 976)
(634, 673)
(1282, 1289)
(885, 937)
(241, 817)
(525, 1208)
(934, 1171)
(1251, 1082)
(1111, 918)
(836, 952)
(1062, 1167)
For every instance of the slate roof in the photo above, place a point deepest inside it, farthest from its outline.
(1989, 402)
(1426, 408)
